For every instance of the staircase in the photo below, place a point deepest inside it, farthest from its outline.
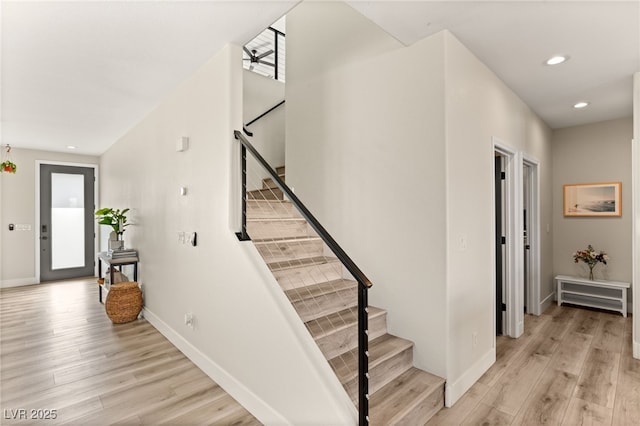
(325, 298)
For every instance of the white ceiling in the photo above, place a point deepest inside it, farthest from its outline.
(83, 73)
(514, 38)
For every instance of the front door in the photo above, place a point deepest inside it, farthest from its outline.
(66, 222)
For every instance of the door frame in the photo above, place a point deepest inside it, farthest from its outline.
(533, 307)
(96, 197)
(514, 256)
(635, 214)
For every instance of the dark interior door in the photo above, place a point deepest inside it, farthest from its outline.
(66, 222)
(499, 177)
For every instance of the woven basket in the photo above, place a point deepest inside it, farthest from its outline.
(124, 302)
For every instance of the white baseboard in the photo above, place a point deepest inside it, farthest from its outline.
(19, 282)
(636, 350)
(455, 389)
(546, 302)
(256, 406)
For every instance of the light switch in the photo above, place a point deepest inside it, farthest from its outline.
(193, 239)
(183, 190)
(182, 144)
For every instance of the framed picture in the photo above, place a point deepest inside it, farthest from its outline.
(593, 199)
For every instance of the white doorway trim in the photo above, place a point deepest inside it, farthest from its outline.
(514, 259)
(635, 216)
(533, 183)
(96, 197)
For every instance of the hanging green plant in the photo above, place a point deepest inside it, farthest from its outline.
(8, 166)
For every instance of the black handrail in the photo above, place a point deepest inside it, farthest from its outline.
(249, 133)
(315, 224)
(360, 277)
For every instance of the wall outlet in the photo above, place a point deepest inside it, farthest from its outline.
(462, 242)
(181, 237)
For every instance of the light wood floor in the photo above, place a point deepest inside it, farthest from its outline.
(59, 351)
(571, 367)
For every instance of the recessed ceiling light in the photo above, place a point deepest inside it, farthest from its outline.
(556, 60)
(71, 147)
(581, 104)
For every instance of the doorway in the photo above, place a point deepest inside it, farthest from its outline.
(500, 243)
(66, 222)
(531, 236)
(516, 262)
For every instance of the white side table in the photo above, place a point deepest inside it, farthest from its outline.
(611, 295)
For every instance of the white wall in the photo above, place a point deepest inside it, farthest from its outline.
(392, 148)
(480, 107)
(261, 93)
(247, 336)
(597, 152)
(365, 152)
(18, 206)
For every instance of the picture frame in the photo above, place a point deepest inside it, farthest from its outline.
(599, 199)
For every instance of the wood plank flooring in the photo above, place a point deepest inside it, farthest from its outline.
(59, 351)
(572, 366)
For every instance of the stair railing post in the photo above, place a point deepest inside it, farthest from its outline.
(242, 235)
(363, 282)
(363, 355)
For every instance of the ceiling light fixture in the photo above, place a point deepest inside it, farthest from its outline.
(557, 60)
(581, 104)
(71, 147)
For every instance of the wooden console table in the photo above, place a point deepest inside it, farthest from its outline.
(104, 258)
(611, 295)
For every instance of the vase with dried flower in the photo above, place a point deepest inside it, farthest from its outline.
(591, 258)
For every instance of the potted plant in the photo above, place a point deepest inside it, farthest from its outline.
(8, 166)
(115, 218)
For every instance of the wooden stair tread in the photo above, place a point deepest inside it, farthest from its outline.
(321, 327)
(297, 263)
(258, 202)
(291, 240)
(275, 219)
(380, 349)
(265, 194)
(327, 303)
(270, 183)
(317, 290)
(404, 394)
